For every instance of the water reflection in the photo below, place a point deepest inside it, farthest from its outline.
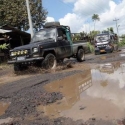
(99, 92)
(71, 87)
(114, 83)
(122, 54)
(109, 67)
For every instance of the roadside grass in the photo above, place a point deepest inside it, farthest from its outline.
(4, 65)
(90, 47)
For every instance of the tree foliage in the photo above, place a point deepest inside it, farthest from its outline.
(14, 13)
(94, 33)
(95, 18)
(4, 46)
(110, 29)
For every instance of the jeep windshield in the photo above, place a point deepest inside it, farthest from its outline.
(102, 38)
(44, 34)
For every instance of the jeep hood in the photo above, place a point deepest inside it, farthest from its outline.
(33, 44)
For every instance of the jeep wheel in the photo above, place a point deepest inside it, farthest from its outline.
(17, 67)
(80, 55)
(49, 62)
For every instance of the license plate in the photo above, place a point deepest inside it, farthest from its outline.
(20, 58)
(102, 50)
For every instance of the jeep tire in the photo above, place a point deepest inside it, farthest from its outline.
(17, 67)
(80, 55)
(49, 62)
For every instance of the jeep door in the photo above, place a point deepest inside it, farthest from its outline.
(64, 48)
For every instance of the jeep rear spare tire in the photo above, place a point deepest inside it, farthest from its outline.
(49, 62)
(80, 55)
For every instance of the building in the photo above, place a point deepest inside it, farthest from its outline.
(14, 38)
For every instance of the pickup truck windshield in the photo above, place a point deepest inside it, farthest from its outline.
(44, 35)
(102, 37)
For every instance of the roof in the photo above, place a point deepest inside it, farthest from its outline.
(15, 38)
(13, 29)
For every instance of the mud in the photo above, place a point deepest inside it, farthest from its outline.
(26, 94)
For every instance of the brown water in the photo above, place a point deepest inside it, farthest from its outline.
(3, 107)
(98, 93)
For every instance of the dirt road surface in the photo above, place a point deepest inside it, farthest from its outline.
(87, 93)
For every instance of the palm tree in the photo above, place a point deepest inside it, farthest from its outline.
(95, 18)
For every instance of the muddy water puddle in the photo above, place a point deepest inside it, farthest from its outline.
(3, 107)
(122, 54)
(94, 93)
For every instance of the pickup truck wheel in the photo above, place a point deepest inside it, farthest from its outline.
(49, 62)
(80, 55)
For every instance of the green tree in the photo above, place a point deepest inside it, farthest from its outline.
(95, 18)
(123, 35)
(94, 33)
(14, 13)
(111, 29)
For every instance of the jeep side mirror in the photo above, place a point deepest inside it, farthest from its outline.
(60, 38)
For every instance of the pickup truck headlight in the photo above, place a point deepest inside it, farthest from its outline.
(35, 50)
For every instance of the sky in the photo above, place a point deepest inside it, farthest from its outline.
(77, 14)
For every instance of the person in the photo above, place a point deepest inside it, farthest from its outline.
(61, 33)
(116, 37)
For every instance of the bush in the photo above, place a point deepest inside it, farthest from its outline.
(90, 47)
(122, 43)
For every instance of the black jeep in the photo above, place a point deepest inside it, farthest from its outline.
(49, 45)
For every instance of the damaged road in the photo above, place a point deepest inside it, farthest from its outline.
(87, 93)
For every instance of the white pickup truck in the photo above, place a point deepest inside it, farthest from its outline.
(105, 42)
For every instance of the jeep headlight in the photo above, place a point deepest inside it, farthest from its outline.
(13, 53)
(21, 52)
(35, 50)
(18, 53)
(25, 51)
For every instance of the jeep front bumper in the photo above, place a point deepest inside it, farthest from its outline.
(26, 60)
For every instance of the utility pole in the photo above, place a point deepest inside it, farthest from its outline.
(29, 17)
(116, 25)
